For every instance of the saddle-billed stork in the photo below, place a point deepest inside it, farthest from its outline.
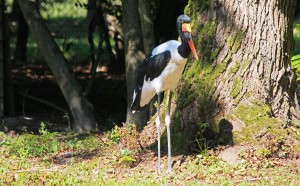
(160, 71)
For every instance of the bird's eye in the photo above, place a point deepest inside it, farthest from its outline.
(186, 27)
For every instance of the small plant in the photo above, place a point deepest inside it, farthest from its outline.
(42, 129)
(115, 135)
(126, 156)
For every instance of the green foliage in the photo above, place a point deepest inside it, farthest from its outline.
(115, 135)
(196, 6)
(296, 64)
(43, 129)
(296, 32)
(296, 59)
(60, 9)
(126, 156)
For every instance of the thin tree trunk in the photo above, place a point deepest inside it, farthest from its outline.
(134, 55)
(20, 55)
(81, 109)
(148, 36)
(9, 102)
(146, 25)
(1, 58)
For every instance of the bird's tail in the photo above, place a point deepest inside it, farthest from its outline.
(135, 106)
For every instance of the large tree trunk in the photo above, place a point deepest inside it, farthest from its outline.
(81, 109)
(133, 55)
(244, 77)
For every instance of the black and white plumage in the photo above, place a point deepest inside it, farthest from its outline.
(161, 71)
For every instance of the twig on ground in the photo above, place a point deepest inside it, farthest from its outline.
(249, 180)
(35, 170)
(42, 101)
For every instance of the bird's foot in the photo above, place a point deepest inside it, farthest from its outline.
(170, 171)
(158, 171)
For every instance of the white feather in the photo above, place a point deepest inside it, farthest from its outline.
(171, 45)
(169, 77)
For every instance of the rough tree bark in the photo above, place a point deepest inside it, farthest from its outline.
(244, 76)
(81, 109)
(264, 32)
(133, 55)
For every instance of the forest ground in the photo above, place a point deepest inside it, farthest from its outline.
(123, 156)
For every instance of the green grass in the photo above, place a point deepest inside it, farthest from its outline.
(88, 159)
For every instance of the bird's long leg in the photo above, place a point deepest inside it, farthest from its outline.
(157, 121)
(168, 122)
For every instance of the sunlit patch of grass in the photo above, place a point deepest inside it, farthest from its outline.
(26, 145)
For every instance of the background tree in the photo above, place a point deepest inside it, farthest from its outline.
(134, 54)
(20, 54)
(243, 80)
(147, 26)
(7, 107)
(146, 21)
(103, 55)
(167, 13)
(81, 109)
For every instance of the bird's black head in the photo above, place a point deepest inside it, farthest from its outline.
(181, 20)
(184, 30)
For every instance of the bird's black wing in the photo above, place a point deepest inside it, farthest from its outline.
(151, 68)
(156, 64)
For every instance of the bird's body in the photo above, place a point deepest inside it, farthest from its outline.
(168, 65)
(161, 71)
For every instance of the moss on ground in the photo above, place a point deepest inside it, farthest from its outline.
(255, 117)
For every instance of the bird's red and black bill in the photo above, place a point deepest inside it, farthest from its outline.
(191, 44)
(186, 27)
